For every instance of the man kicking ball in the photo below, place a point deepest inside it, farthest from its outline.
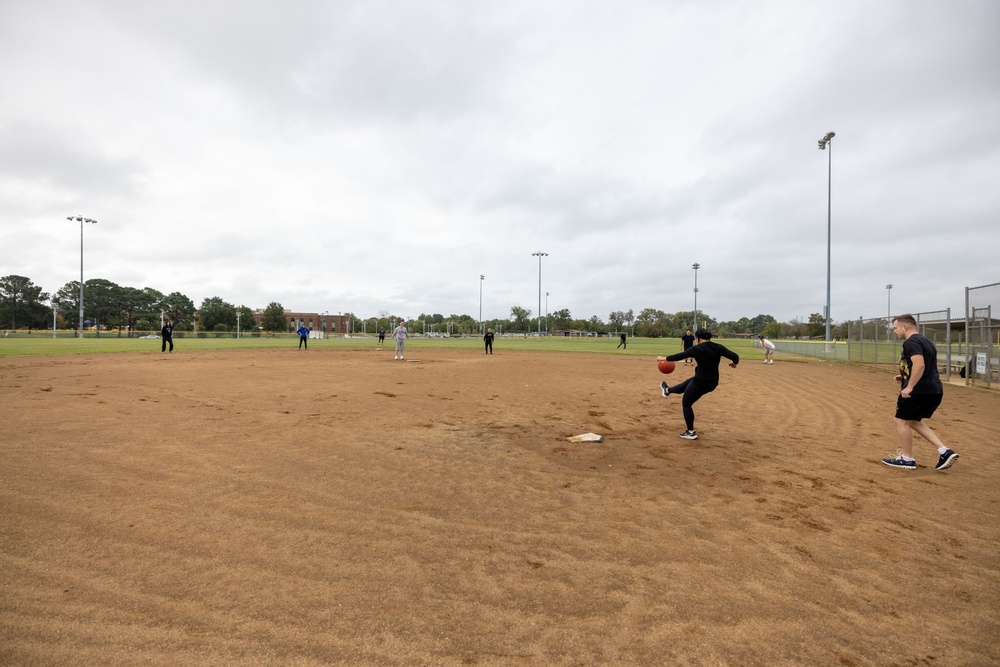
(706, 375)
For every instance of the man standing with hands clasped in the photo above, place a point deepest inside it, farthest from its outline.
(399, 333)
(919, 396)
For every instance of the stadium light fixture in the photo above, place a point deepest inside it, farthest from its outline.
(827, 140)
(539, 255)
(696, 266)
(82, 221)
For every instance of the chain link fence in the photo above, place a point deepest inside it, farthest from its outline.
(980, 364)
(872, 342)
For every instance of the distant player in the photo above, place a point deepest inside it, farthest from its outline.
(303, 336)
(623, 342)
(706, 375)
(167, 336)
(488, 341)
(381, 336)
(399, 333)
(768, 349)
(687, 340)
(919, 396)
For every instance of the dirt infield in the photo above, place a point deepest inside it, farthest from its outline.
(340, 507)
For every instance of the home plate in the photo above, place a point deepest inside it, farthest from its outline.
(586, 437)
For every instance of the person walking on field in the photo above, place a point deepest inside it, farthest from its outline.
(687, 340)
(303, 336)
(488, 340)
(706, 375)
(399, 333)
(622, 343)
(381, 336)
(920, 395)
(768, 349)
(167, 336)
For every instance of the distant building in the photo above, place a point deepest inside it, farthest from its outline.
(328, 324)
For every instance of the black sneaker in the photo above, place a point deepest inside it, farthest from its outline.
(689, 435)
(900, 462)
(946, 459)
(664, 389)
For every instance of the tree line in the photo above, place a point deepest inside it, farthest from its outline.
(110, 306)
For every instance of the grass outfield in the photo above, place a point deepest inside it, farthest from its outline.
(44, 345)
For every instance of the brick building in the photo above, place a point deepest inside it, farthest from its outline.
(325, 322)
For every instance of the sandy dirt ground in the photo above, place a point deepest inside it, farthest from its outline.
(340, 507)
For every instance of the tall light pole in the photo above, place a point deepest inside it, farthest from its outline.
(546, 312)
(539, 255)
(888, 304)
(93, 222)
(823, 143)
(696, 266)
(481, 279)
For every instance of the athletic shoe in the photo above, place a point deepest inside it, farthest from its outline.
(689, 435)
(946, 459)
(664, 389)
(900, 462)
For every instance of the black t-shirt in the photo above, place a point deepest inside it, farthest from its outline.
(488, 338)
(708, 355)
(167, 331)
(930, 381)
(688, 340)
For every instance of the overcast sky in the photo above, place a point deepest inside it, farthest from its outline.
(381, 155)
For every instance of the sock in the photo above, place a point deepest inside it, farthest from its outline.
(942, 450)
(906, 458)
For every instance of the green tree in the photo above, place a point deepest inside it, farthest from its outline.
(772, 329)
(758, 323)
(246, 319)
(22, 301)
(102, 302)
(68, 298)
(519, 318)
(217, 315)
(560, 319)
(273, 318)
(181, 311)
(816, 327)
(133, 302)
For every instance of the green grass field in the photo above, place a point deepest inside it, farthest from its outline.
(40, 344)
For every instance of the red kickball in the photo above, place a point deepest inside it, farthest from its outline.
(666, 366)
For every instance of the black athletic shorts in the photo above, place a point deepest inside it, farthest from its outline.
(917, 406)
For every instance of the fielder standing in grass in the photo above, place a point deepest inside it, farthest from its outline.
(706, 375)
(488, 341)
(167, 336)
(303, 336)
(399, 333)
(920, 394)
(687, 340)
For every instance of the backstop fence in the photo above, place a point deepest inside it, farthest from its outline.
(980, 356)
(872, 342)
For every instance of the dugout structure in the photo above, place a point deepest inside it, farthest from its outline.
(982, 343)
